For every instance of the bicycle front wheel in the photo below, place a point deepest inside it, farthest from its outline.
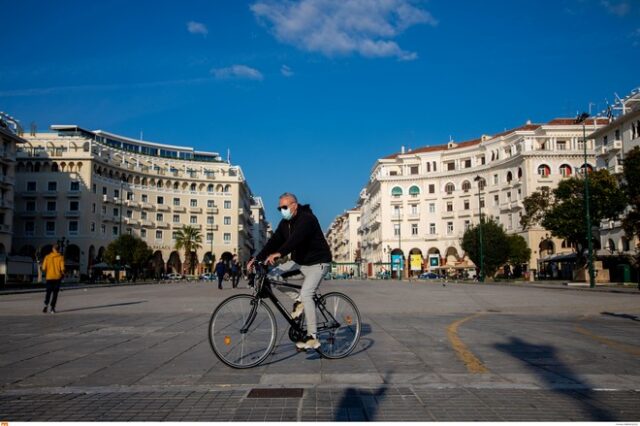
(339, 325)
(242, 331)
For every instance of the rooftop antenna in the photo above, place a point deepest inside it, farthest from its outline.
(590, 104)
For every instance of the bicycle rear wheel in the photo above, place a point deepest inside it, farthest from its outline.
(242, 331)
(339, 325)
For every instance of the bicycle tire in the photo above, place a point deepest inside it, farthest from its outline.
(242, 350)
(338, 341)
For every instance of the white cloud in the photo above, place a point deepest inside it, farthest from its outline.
(197, 28)
(237, 72)
(342, 27)
(618, 9)
(286, 71)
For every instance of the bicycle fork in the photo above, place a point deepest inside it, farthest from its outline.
(252, 316)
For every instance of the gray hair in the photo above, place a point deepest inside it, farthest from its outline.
(289, 195)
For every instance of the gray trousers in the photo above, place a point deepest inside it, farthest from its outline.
(313, 276)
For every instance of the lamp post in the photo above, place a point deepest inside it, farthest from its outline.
(592, 277)
(481, 278)
(211, 258)
(117, 269)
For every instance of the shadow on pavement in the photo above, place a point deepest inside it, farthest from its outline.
(544, 362)
(626, 316)
(360, 404)
(102, 306)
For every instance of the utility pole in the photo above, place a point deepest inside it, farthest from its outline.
(481, 277)
(592, 276)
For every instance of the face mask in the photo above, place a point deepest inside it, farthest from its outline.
(286, 214)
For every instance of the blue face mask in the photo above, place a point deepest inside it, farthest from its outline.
(286, 213)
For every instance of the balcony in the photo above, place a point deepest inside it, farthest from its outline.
(146, 223)
(396, 216)
(50, 194)
(162, 224)
(212, 210)
(72, 213)
(448, 215)
(6, 204)
(7, 180)
(163, 208)
(195, 209)
(179, 209)
(177, 225)
(29, 194)
(131, 221)
(212, 227)
(131, 203)
(26, 213)
(5, 228)
(146, 205)
(49, 213)
(615, 169)
(73, 194)
(614, 146)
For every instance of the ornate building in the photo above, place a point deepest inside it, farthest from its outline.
(84, 188)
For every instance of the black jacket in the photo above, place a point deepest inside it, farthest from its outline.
(302, 237)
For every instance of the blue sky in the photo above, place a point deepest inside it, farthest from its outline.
(308, 94)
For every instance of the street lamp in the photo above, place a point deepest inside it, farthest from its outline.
(481, 278)
(117, 269)
(592, 277)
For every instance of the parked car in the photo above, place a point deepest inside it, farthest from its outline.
(174, 276)
(207, 277)
(429, 276)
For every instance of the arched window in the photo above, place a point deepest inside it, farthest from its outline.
(210, 188)
(565, 170)
(519, 173)
(611, 245)
(396, 191)
(544, 170)
(589, 168)
(192, 187)
(482, 183)
(509, 177)
(466, 186)
(449, 188)
(227, 188)
(414, 191)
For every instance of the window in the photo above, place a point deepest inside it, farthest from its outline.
(495, 179)
(129, 231)
(508, 195)
(482, 184)
(158, 235)
(227, 220)
(193, 203)
(428, 167)
(482, 202)
(617, 135)
(449, 206)
(544, 170)
(510, 221)
(496, 200)
(193, 219)
(129, 196)
(193, 187)
(143, 215)
(414, 209)
(393, 173)
(432, 188)
(509, 177)
(159, 217)
(449, 188)
(51, 206)
(94, 188)
(74, 186)
(114, 231)
(74, 206)
(116, 193)
(92, 228)
(483, 161)
(413, 170)
(396, 229)
(52, 186)
(129, 213)
(467, 224)
(227, 237)
(396, 191)
(210, 188)
(116, 211)
(227, 204)
(466, 204)
(414, 229)
(29, 228)
(466, 186)
(143, 233)
(561, 145)
(176, 218)
(103, 229)
(209, 236)
(565, 170)
(145, 198)
(174, 234)
(449, 228)
(432, 228)
(210, 220)
(176, 201)
(451, 166)
(31, 206)
(50, 228)
(432, 207)
(160, 200)
(414, 191)
(31, 186)
(73, 227)
(210, 204)
(467, 163)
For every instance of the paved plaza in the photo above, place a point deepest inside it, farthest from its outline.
(428, 352)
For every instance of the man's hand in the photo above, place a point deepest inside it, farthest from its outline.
(250, 264)
(272, 258)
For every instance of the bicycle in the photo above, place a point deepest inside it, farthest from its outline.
(243, 328)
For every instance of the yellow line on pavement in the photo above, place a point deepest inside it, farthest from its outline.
(624, 347)
(474, 365)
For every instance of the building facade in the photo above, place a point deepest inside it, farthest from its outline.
(260, 225)
(418, 203)
(619, 136)
(85, 188)
(343, 239)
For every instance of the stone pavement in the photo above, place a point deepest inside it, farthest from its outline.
(142, 353)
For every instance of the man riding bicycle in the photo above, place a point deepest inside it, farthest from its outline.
(299, 234)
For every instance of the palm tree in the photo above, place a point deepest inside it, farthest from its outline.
(189, 239)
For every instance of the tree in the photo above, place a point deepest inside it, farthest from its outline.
(133, 252)
(519, 252)
(563, 210)
(494, 242)
(189, 239)
(631, 187)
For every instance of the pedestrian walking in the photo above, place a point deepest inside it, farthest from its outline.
(53, 267)
(221, 269)
(236, 271)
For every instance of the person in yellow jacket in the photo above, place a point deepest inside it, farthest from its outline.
(53, 267)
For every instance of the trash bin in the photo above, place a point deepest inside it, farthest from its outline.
(624, 273)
